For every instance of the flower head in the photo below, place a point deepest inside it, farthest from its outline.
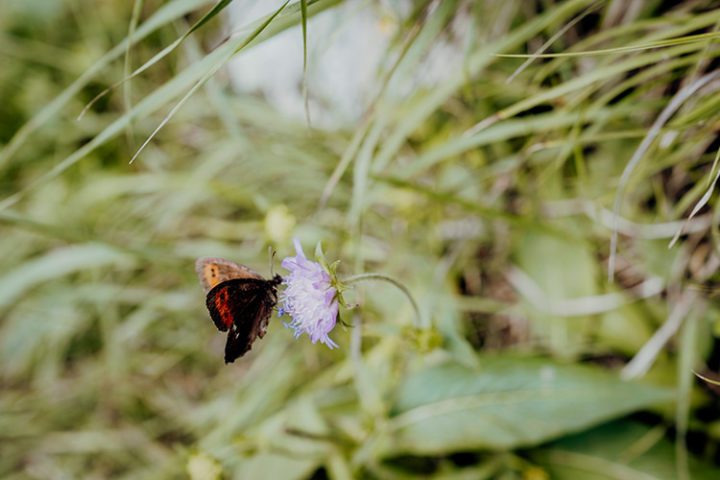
(310, 298)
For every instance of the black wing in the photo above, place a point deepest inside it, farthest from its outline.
(242, 306)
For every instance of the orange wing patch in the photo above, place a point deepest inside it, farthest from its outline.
(213, 271)
(224, 309)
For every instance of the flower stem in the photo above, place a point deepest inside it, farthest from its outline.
(379, 276)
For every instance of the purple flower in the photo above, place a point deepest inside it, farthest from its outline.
(310, 298)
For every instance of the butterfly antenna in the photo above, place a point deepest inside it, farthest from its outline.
(271, 253)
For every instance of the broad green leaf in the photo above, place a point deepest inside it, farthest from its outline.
(624, 330)
(558, 268)
(274, 465)
(506, 403)
(617, 451)
(57, 263)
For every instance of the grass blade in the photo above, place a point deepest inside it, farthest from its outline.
(205, 77)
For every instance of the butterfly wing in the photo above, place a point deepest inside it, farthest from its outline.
(213, 271)
(241, 336)
(243, 306)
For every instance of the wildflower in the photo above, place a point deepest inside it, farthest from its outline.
(310, 298)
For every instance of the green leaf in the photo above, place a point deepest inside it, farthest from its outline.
(192, 77)
(475, 64)
(304, 13)
(319, 253)
(160, 55)
(164, 15)
(55, 264)
(619, 450)
(273, 465)
(506, 403)
(207, 76)
(559, 267)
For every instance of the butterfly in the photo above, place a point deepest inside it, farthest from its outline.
(240, 302)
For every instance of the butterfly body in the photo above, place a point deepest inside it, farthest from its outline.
(239, 300)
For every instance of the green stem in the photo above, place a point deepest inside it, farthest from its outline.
(379, 276)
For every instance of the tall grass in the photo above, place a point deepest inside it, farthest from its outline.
(492, 192)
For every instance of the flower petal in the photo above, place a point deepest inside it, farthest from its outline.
(309, 298)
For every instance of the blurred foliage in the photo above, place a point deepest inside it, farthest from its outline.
(488, 191)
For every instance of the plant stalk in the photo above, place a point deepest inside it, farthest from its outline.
(382, 277)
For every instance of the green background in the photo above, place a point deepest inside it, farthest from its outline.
(489, 193)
